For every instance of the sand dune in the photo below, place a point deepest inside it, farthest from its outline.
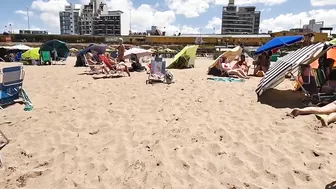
(195, 133)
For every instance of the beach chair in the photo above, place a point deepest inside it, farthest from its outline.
(93, 68)
(158, 72)
(46, 57)
(11, 87)
(312, 81)
(113, 69)
(3, 142)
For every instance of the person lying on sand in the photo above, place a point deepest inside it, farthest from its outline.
(227, 69)
(120, 66)
(242, 64)
(329, 109)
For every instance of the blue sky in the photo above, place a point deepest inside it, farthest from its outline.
(186, 16)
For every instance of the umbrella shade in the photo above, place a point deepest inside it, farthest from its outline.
(60, 47)
(276, 74)
(32, 54)
(138, 52)
(230, 55)
(20, 47)
(99, 48)
(278, 42)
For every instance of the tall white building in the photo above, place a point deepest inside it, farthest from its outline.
(242, 20)
(313, 26)
(69, 20)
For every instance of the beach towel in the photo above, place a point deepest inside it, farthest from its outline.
(226, 79)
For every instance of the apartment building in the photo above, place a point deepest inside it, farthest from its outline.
(240, 20)
(107, 24)
(69, 20)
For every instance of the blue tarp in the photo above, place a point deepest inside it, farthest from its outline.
(278, 42)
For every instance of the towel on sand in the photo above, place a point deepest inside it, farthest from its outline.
(226, 79)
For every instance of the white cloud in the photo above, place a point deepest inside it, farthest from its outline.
(189, 8)
(322, 2)
(214, 24)
(251, 2)
(49, 11)
(24, 13)
(288, 21)
(193, 8)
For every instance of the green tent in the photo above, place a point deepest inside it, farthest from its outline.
(333, 42)
(32, 54)
(185, 58)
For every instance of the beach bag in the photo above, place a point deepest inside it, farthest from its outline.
(169, 77)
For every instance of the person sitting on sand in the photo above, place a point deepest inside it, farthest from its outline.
(242, 64)
(262, 63)
(228, 70)
(120, 66)
(329, 109)
(93, 64)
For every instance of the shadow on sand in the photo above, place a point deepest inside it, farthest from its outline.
(331, 185)
(282, 99)
(107, 77)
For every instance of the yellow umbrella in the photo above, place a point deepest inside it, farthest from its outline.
(32, 54)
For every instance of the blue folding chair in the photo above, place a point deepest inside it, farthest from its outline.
(11, 86)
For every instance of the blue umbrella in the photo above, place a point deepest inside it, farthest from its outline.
(99, 48)
(278, 42)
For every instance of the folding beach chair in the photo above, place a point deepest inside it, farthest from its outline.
(11, 87)
(46, 57)
(158, 72)
(313, 80)
(93, 69)
(3, 142)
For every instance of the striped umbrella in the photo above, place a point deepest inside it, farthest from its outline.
(289, 63)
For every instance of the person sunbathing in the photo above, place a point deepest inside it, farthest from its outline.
(117, 66)
(94, 65)
(228, 70)
(329, 109)
(242, 64)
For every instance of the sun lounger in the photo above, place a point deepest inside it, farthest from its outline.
(114, 69)
(3, 142)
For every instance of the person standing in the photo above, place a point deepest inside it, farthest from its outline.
(121, 51)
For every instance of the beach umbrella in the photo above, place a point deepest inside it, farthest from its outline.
(19, 47)
(138, 52)
(32, 54)
(289, 63)
(278, 42)
(56, 45)
(99, 48)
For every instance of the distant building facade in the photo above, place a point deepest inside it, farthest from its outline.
(242, 20)
(69, 20)
(91, 19)
(107, 24)
(313, 26)
(34, 32)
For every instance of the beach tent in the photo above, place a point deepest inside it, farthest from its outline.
(57, 46)
(185, 58)
(289, 63)
(231, 54)
(98, 48)
(32, 54)
(138, 52)
(333, 42)
(278, 42)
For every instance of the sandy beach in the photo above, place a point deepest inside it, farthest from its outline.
(121, 133)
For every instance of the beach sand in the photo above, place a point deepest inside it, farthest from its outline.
(121, 133)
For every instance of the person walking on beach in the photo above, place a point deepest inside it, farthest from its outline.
(121, 51)
(329, 110)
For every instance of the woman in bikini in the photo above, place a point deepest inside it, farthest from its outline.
(227, 69)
